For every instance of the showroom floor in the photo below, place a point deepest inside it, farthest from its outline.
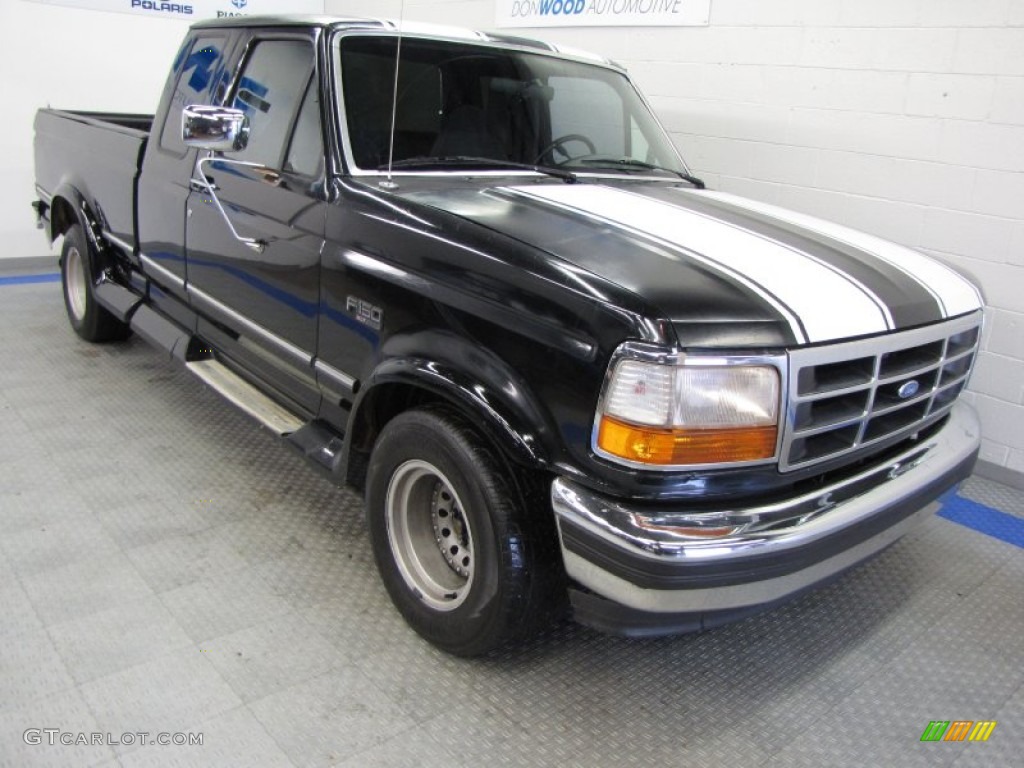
(168, 566)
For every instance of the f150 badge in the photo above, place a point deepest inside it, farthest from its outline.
(365, 312)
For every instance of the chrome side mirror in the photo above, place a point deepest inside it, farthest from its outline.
(217, 129)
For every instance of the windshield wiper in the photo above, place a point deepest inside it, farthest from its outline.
(631, 163)
(460, 161)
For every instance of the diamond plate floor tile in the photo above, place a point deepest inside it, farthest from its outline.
(358, 622)
(141, 520)
(330, 718)
(79, 462)
(129, 634)
(59, 538)
(7, 575)
(207, 554)
(18, 441)
(30, 473)
(873, 612)
(492, 739)
(882, 720)
(127, 482)
(271, 656)
(422, 747)
(30, 669)
(17, 614)
(293, 531)
(18, 450)
(1004, 745)
(83, 588)
(59, 430)
(65, 713)
(993, 494)
(340, 567)
(235, 738)
(219, 606)
(417, 676)
(989, 620)
(615, 702)
(175, 693)
(40, 509)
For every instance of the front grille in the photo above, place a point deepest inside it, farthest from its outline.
(847, 397)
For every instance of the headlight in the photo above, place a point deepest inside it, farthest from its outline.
(695, 412)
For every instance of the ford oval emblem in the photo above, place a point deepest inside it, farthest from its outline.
(909, 389)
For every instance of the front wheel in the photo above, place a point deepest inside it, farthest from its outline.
(78, 270)
(455, 550)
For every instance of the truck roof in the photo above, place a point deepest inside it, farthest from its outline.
(410, 28)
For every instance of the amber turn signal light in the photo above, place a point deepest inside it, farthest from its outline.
(680, 446)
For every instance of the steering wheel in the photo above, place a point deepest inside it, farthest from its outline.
(556, 146)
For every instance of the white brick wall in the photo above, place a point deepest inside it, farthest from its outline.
(1008, 102)
(901, 117)
(73, 59)
(966, 97)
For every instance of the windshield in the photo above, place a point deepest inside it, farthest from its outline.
(460, 101)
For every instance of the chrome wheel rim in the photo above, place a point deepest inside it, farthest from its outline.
(76, 283)
(429, 535)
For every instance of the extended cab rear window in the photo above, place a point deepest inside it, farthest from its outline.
(199, 72)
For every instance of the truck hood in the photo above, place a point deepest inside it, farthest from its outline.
(724, 270)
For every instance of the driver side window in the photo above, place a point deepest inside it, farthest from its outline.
(305, 149)
(269, 91)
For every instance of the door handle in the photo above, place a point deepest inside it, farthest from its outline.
(197, 185)
(206, 182)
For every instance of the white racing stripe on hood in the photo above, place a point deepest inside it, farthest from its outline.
(954, 294)
(828, 305)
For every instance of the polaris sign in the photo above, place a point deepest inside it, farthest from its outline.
(603, 13)
(193, 9)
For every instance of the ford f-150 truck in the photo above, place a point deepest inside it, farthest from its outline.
(470, 276)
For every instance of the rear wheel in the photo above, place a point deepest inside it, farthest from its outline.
(457, 554)
(79, 274)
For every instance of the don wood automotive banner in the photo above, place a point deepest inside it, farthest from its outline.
(194, 9)
(603, 13)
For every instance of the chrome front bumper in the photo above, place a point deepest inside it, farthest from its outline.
(684, 569)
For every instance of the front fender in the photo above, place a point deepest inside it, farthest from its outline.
(473, 379)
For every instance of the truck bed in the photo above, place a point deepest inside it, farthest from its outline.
(97, 153)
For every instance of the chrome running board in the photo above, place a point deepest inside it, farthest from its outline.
(243, 394)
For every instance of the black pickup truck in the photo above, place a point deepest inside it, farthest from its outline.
(469, 275)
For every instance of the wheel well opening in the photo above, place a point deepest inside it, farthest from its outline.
(62, 217)
(386, 401)
(381, 405)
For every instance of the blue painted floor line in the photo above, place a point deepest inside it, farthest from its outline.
(49, 277)
(983, 519)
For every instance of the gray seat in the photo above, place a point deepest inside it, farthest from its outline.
(464, 132)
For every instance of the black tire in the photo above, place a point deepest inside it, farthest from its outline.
(429, 468)
(79, 274)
